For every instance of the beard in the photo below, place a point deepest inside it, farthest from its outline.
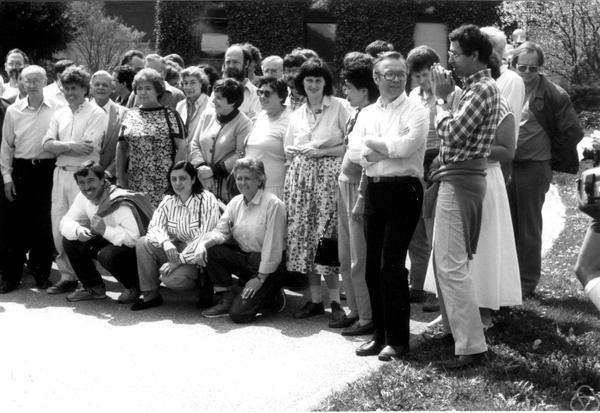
(237, 74)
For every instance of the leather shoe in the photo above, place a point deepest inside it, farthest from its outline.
(310, 309)
(370, 348)
(43, 283)
(140, 304)
(358, 330)
(392, 352)
(338, 317)
(7, 286)
(463, 361)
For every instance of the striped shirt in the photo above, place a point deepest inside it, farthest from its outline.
(468, 132)
(184, 224)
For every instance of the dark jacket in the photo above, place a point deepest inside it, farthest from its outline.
(554, 111)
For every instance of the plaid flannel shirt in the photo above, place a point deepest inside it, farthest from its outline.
(468, 132)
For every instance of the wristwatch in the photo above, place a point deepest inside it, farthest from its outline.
(441, 101)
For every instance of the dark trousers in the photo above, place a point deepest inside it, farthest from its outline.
(26, 223)
(119, 261)
(225, 260)
(527, 189)
(394, 209)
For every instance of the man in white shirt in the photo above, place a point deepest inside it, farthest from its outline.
(54, 90)
(101, 88)
(388, 140)
(74, 136)
(16, 60)
(103, 223)
(272, 66)
(27, 173)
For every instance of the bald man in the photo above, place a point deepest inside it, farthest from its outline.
(27, 173)
(101, 88)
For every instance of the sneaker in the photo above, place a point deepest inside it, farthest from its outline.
(128, 296)
(92, 293)
(63, 286)
(221, 308)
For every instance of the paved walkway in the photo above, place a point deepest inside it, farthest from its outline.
(99, 356)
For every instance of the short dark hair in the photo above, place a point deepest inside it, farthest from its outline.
(197, 187)
(254, 51)
(125, 74)
(174, 57)
(378, 46)
(230, 89)
(21, 52)
(359, 72)
(293, 59)
(152, 76)
(421, 58)
(77, 75)
(471, 40)
(528, 47)
(172, 71)
(128, 55)
(278, 85)
(61, 65)
(89, 166)
(314, 67)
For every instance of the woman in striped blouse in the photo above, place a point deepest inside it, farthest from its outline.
(167, 252)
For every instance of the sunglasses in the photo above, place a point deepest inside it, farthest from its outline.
(266, 93)
(528, 68)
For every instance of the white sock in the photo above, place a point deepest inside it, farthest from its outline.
(334, 295)
(592, 290)
(315, 294)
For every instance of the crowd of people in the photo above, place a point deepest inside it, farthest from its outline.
(235, 185)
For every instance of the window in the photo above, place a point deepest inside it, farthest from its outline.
(211, 35)
(320, 37)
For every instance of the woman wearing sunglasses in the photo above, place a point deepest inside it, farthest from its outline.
(266, 140)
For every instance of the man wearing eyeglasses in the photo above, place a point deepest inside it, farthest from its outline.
(388, 140)
(548, 137)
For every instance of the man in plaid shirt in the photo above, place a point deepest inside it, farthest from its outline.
(466, 134)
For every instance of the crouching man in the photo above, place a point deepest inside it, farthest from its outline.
(249, 242)
(104, 223)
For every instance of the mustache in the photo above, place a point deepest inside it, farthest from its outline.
(235, 73)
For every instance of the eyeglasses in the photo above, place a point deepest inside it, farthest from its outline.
(454, 53)
(266, 93)
(391, 76)
(528, 68)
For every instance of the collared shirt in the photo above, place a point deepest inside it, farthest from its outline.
(53, 92)
(468, 132)
(257, 226)
(121, 226)
(86, 123)
(10, 92)
(324, 129)
(184, 223)
(22, 133)
(403, 125)
(200, 105)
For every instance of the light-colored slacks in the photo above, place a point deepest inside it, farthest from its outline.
(64, 191)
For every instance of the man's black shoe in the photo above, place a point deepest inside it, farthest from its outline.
(392, 352)
(7, 286)
(358, 330)
(144, 305)
(464, 361)
(370, 348)
(42, 283)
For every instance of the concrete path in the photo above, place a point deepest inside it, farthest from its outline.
(99, 356)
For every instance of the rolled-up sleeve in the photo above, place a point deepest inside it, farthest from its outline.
(274, 242)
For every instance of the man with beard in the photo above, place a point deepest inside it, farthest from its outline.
(235, 65)
(16, 60)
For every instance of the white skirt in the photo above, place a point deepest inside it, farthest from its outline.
(494, 268)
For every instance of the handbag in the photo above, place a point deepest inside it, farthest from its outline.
(327, 248)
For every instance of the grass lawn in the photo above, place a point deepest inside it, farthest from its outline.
(541, 353)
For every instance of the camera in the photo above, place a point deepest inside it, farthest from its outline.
(592, 154)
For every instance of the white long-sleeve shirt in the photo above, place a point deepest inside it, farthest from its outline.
(121, 226)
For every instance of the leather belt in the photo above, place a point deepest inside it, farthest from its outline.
(398, 179)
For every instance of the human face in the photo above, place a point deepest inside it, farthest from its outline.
(530, 60)
(91, 187)
(182, 183)
(422, 79)
(222, 105)
(269, 99)
(14, 63)
(146, 94)
(390, 89)
(74, 93)
(314, 86)
(460, 62)
(356, 97)
(273, 69)
(33, 82)
(191, 87)
(247, 183)
(233, 65)
(102, 88)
